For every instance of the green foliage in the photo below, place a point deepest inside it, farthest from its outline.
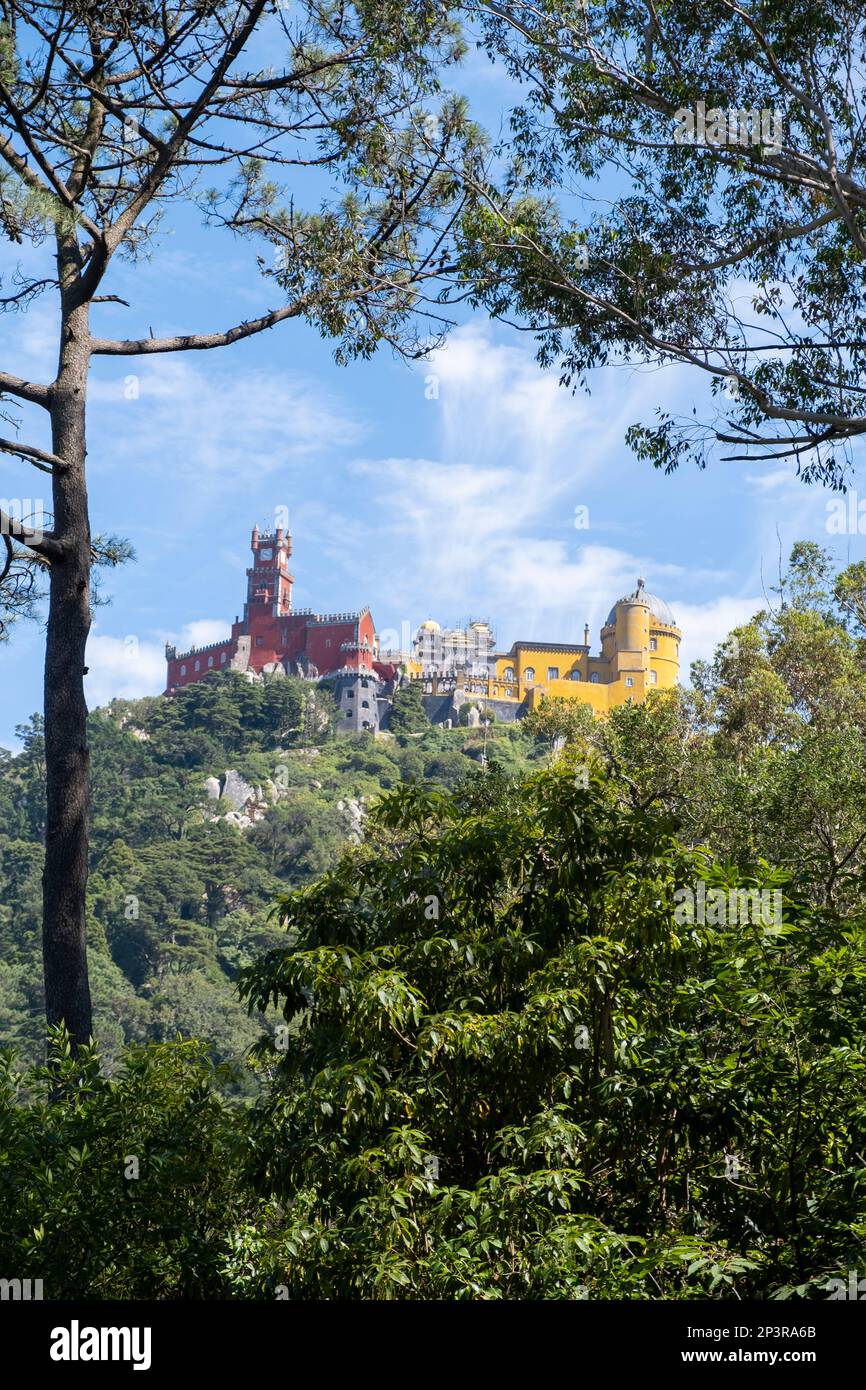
(514, 1075)
(408, 715)
(120, 1188)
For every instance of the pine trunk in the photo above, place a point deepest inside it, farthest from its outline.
(67, 755)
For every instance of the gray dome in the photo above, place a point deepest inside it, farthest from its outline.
(656, 605)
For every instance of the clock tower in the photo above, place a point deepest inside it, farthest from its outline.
(269, 582)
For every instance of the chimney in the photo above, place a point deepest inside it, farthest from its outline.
(586, 634)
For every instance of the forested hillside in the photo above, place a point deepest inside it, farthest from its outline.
(182, 892)
(585, 1022)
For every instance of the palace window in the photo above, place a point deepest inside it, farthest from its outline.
(594, 678)
(183, 670)
(553, 673)
(260, 641)
(222, 658)
(508, 674)
(629, 680)
(365, 704)
(529, 674)
(575, 675)
(198, 665)
(210, 662)
(351, 694)
(654, 646)
(654, 677)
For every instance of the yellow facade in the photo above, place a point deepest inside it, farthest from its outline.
(639, 652)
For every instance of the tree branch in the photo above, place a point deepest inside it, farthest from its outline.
(31, 391)
(38, 457)
(42, 542)
(192, 342)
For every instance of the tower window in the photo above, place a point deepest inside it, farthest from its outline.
(260, 641)
(553, 673)
(629, 680)
(365, 704)
(654, 646)
(222, 657)
(351, 694)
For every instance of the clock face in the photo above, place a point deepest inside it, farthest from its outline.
(266, 555)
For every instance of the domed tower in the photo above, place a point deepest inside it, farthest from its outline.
(641, 641)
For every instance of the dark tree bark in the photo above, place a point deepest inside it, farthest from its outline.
(67, 755)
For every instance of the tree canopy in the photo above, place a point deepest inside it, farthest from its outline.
(686, 184)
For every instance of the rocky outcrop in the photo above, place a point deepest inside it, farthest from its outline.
(353, 812)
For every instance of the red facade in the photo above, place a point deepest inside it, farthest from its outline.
(270, 634)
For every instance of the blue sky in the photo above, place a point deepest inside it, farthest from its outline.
(452, 498)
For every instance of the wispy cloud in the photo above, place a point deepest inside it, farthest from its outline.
(223, 424)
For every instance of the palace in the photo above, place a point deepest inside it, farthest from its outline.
(639, 651)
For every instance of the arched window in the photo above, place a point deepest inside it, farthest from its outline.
(629, 680)
(594, 678)
(654, 677)
(222, 657)
(654, 646)
(198, 665)
(210, 661)
(508, 673)
(183, 670)
(529, 674)
(575, 675)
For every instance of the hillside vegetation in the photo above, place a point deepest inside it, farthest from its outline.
(179, 897)
(590, 1022)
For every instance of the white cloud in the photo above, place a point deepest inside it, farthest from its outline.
(131, 666)
(123, 668)
(706, 625)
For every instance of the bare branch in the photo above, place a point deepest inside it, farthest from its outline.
(38, 457)
(192, 342)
